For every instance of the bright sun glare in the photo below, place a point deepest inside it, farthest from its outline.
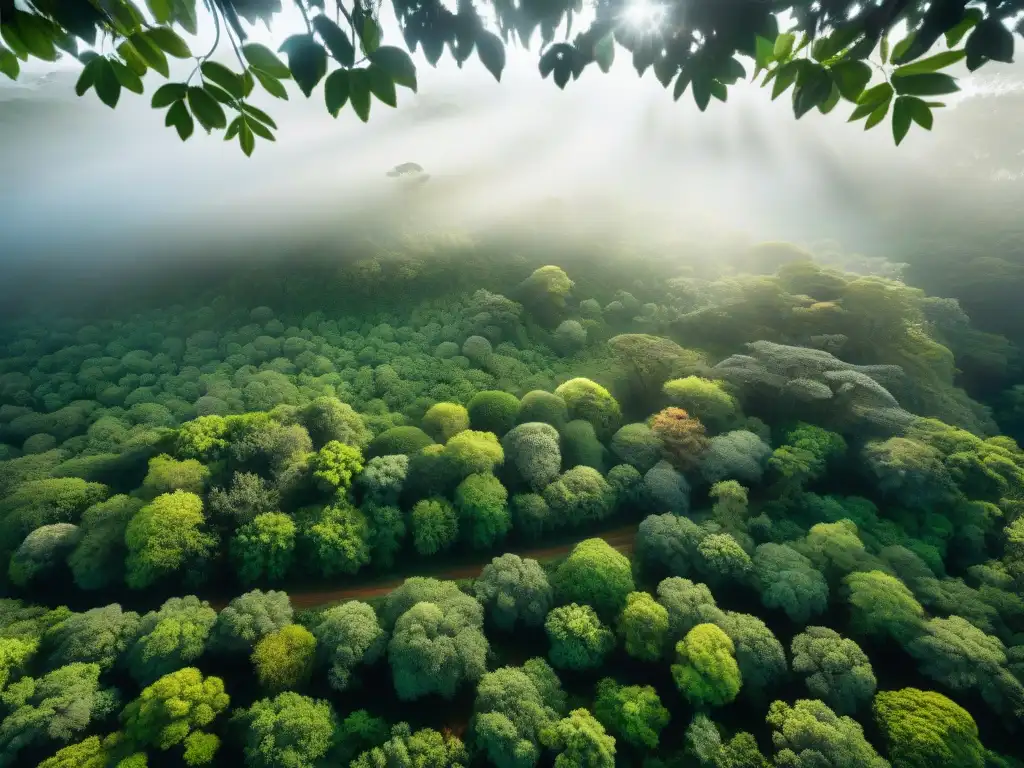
(644, 15)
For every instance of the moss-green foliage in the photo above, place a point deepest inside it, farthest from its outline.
(170, 638)
(633, 712)
(493, 411)
(707, 400)
(425, 747)
(482, 505)
(643, 627)
(165, 537)
(442, 420)
(435, 526)
(809, 733)
(924, 728)
(705, 671)
(578, 638)
(249, 618)
(264, 548)
(579, 496)
(579, 739)
(542, 406)
(173, 707)
(595, 574)
(42, 552)
(834, 668)
(98, 559)
(591, 402)
(580, 446)
(336, 465)
(348, 635)
(336, 539)
(533, 454)
(514, 590)
(288, 729)
(398, 440)
(283, 659)
(637, 446)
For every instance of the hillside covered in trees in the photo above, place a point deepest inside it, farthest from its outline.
(808, 470)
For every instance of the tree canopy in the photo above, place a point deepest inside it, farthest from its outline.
(822, 53)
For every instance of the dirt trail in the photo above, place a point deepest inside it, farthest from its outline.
(620, 538)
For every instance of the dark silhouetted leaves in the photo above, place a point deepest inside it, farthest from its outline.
(397, 64)
(126, 77)
(108, 87)
(359, 93)
(491, 52)
(381, 85)
(168, 94)
(932, 84)
(179, 117)
(814, 84)
(931, 64)
(336, 91)
(271, 84)
(900, 49)
(900, 119)
(87, 79)
(206, 109)
(307, 61)
(167, 40)
(224, 77)
(262, 58)
(970, 20)
(604, 52)
(990, 40)
(336, 40)
(153, 56)
(851, 77)
(369, 38)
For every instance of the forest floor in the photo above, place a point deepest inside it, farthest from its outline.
(620, 538)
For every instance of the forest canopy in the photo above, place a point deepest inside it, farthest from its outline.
(822, 53)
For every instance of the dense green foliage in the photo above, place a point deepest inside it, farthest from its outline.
(795, 541)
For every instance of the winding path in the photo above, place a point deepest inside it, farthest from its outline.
(621, 539)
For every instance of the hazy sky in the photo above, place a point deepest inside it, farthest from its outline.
(94, 184)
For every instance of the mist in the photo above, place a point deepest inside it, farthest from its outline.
(88, 188)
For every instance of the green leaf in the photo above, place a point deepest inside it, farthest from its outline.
(126, 77)
(161, 10)
(185, 14)
(369, 38)
(851, 77)
(884, 48)
(862, 110)
(167, 40)
(931, 64)
(920, 112)
(861, 50)
(902, 47)
(681, 84)
(260, 130)
(307, 61)
(179, 117)
(335, 39)
(233, 128)
(336, 91)
(246, 140)
(248, 83)
(932, 84)
(108, 87)
(814, 86)
(783, 46)
(972, 16)
(168, 94)
(876, 95)
(764, 53)
(258, 114)
(826, 47)
(491, 52)
(9, 64)
(990, 40)
(131, 57)
(785, 77)
(264, 59)
(224, 77)
(87, 79)
(397, 64)
(877, 115)
(900, 119)
(153, 56)
(830, 103)
(270, 84)
(702, 92)
(719, 90)
(359, 93)
(382, 86)
(604, 52)
(206, 109)
(127, 18)
(31, 33)
(219, 94)
(731, 72)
